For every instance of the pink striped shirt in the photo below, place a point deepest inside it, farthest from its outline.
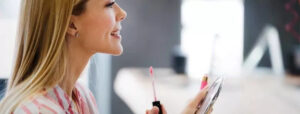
(56, 101)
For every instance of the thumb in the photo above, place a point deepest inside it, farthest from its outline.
(199, 98)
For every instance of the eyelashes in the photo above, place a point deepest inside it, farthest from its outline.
(110, 4)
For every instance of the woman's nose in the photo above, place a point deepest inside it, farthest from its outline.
(121, 14)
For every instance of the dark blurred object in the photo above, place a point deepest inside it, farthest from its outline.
(3, 83)
(290, 26)
(179, 61)
(294, 61)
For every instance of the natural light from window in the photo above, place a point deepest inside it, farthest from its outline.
(212, 36)
(9, 10)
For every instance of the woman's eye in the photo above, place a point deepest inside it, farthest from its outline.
(110, 4)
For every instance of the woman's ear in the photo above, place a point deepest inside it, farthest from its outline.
(72, 29)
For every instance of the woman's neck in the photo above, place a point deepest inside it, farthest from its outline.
(76, 61)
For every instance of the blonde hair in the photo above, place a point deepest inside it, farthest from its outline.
(41, 56)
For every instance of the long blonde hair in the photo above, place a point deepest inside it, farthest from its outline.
(41, 53)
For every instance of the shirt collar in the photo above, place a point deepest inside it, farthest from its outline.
(61, 97)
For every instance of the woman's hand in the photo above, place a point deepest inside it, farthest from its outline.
(191, 108)
(198, 100)
(155, 110)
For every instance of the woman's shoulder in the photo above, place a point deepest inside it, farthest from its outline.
(38, 104)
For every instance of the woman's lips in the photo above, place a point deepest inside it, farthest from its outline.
(116, 34)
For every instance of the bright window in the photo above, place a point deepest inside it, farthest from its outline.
(9, 12)
(212, 36)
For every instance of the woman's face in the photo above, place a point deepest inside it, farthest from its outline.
(99, 27)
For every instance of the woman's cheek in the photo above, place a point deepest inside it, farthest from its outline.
(109, 23)
(110, 20)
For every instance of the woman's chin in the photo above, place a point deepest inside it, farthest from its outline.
(117, 52)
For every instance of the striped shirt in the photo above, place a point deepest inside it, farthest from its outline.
(56, 101)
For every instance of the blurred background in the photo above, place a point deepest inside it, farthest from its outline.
(254, 44)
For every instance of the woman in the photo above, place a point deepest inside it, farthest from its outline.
(56, 39)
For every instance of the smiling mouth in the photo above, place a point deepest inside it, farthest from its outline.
(116, 34)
